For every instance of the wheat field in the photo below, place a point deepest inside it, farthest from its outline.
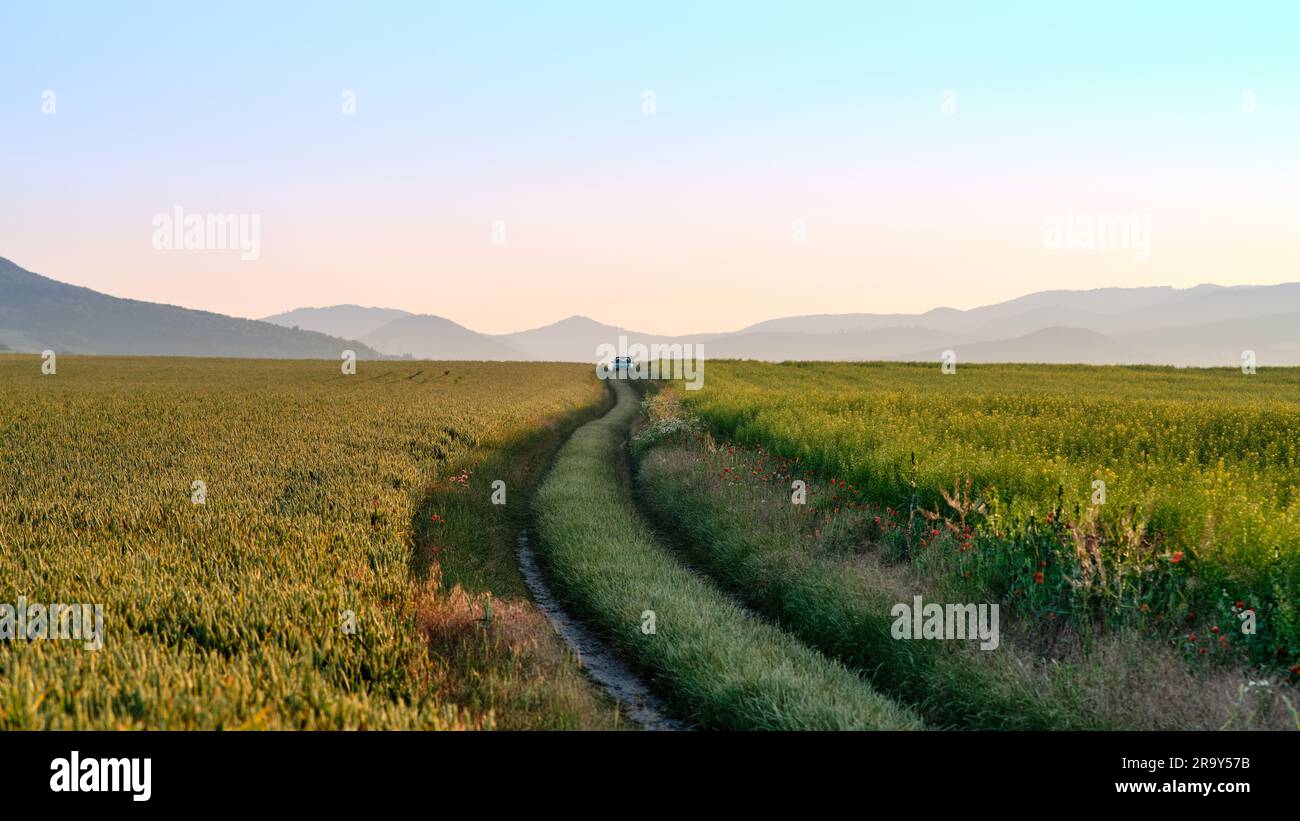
(291, 596)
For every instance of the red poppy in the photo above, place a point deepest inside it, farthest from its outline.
(1177, 557)
(1038, 577)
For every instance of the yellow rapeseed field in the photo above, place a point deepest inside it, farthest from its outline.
(1184, 483)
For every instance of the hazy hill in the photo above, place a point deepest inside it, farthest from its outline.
(880, 343)
(576, 339)
(346, 321)
(1060, 307)
(38, 313)
(1275, 339)
(572, 339)
(1063, 346)
(1208, 305)
(840, 323)
(1200, 326)
(424, 336)
(1104, 310)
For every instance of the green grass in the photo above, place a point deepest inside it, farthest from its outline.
(717, 666)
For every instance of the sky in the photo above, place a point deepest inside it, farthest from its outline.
(672, 168)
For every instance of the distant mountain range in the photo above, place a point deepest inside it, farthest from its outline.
(1208, 325)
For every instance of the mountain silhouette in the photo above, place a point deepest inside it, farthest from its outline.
(38, 313)
(1207, 325)
(346, 321)
(425, 336)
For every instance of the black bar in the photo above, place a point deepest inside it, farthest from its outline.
(608, 771)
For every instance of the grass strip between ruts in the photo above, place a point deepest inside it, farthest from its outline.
(717, 666)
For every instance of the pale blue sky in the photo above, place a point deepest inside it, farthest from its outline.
(531, 114)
